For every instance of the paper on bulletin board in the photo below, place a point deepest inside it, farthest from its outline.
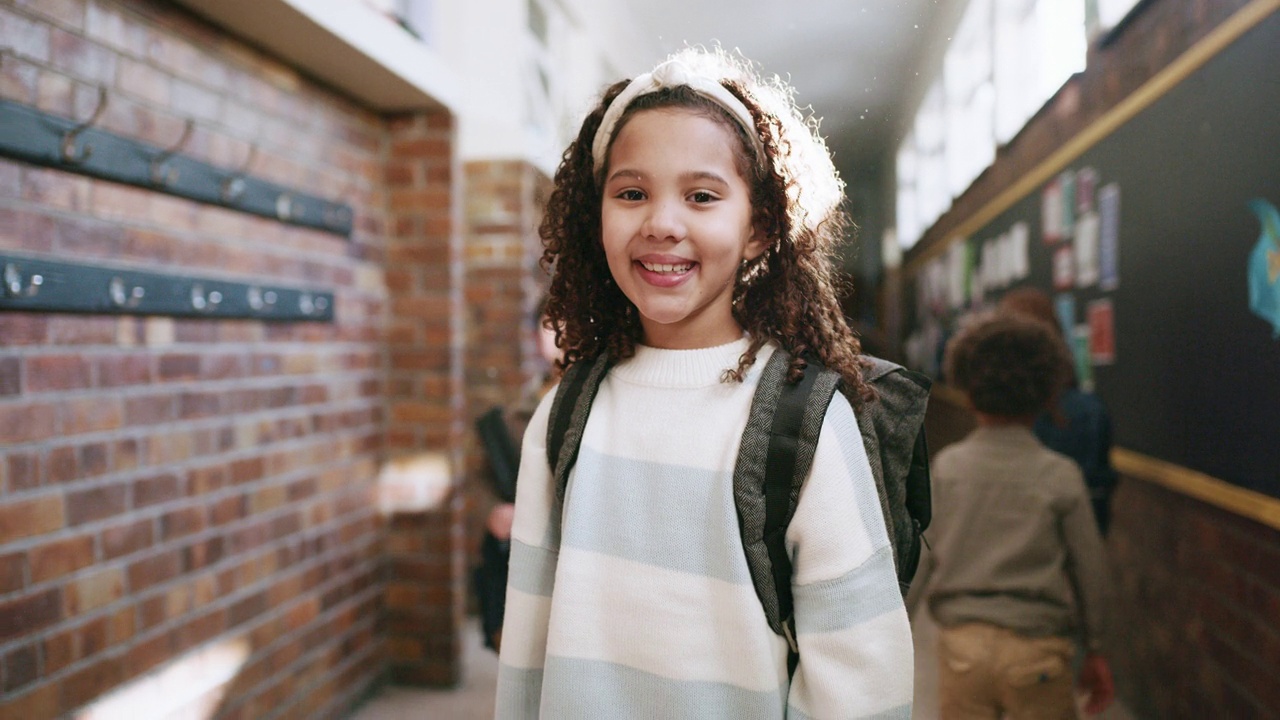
(1064, 268)
(1086, 247)
(1109, 237)
(1051, 230)
(1084, 364)
(1064, 307)
(1019, 236)
(1102, 332)
(1086, 182)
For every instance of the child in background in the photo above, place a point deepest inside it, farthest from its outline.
(490, 577)
(690, 234)
(1016, 567)
(1076, 423)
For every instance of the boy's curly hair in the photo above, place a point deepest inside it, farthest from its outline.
(1009, 364)
(787, 294)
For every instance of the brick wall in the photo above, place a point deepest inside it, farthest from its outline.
(1199, 592)
(503, 283)
(425, 555)
(172, 486)
(1198, 588)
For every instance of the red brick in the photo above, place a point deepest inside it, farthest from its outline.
(21, 668)
(125, 455)
(23, 423)
(62, 557)
(30, 613)
(96, 503)
(66, 12)
(144, 81)
(25, 518)
(64, 465)
(148, 654)
(22, 328)
(179, 367)
(126, 539)
(154, 570)
(97, 589)
(42, 702)
(149, 410)
(10, 376)
(82, 330)
(93, 414)
(120, 370)
(94, 459)
(85, 685)
(182, 522)
(58, 372)
(200, 630)
(25, 471)
(12, 571)
(156, 489)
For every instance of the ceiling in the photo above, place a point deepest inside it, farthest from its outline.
(853, 61)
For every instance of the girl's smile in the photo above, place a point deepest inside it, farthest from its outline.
(676, 225)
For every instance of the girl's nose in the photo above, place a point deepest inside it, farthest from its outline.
(663, 222)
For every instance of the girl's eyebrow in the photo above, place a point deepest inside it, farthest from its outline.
(705, 175)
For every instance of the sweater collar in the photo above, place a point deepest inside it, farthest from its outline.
(1006, 434)
(701, 367)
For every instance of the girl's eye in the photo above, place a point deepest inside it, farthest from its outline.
(630, 195)
(701, 197)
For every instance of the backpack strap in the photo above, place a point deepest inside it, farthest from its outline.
(568, 419)
(778, 444)
(893, 433)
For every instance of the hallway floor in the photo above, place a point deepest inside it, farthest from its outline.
(474, 700)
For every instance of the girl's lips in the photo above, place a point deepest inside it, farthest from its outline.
(664, 274)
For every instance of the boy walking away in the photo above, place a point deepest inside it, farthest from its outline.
(1017, 569)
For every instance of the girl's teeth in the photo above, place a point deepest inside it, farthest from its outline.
(651, 267)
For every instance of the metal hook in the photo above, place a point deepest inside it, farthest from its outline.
(13, 282)
(233, 185)
(161, 173)
(70, 152)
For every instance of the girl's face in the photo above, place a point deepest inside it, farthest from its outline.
(676, 224)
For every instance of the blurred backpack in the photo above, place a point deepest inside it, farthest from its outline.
(777, 450)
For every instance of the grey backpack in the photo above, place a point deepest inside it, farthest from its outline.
(777, 450)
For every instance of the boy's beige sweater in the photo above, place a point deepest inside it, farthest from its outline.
(1013, 541)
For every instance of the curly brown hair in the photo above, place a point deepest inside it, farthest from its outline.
(787, 294)
(1009, 364)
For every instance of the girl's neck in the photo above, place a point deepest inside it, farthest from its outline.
(684, 336)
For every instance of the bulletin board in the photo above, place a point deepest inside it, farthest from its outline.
(1165, 268)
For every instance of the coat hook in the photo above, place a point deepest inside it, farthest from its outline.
(233, 185)
(161, 173)
(13, 282)
(70, 152)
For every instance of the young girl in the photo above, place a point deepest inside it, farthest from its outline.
(689, 236)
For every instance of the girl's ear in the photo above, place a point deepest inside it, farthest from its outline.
(756, 245)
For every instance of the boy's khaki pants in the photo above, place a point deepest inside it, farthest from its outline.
(988, 672)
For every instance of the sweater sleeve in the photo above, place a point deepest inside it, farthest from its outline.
(851, 625)
(535, 543)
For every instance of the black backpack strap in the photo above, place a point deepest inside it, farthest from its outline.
(568, 419)
(774, 458)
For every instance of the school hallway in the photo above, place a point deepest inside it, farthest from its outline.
(265, 263)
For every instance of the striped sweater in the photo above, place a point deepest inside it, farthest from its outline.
(637, 602)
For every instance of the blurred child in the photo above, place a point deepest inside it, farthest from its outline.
(1016, 568)
(690, 234)
(1076, 423)
(490, 577)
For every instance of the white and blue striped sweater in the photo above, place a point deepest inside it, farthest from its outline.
(642, 605)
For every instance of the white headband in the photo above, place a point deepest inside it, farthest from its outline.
(672, 73)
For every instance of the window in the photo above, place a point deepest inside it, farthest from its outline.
(1007, 58)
